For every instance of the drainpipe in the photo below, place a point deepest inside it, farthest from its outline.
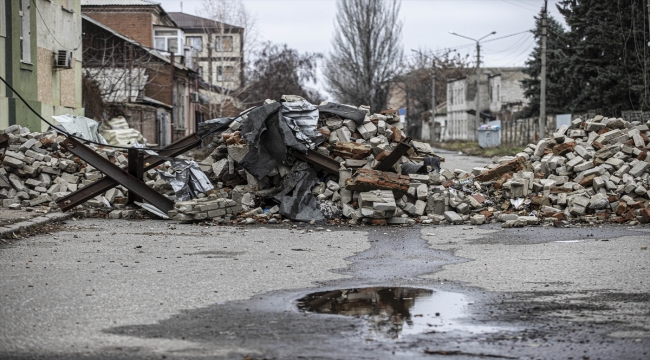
(171, 83)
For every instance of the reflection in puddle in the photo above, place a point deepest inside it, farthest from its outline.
(394, 312)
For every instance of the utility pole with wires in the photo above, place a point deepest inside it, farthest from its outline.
(542, 87)
(473, 127)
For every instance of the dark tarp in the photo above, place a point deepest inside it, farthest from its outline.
(411, 168)
(264, 141)
(215, 124)
(296, 200)
(344, 111)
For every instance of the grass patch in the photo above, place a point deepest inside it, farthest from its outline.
(472, 148)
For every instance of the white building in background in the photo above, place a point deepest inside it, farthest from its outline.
(501, 96)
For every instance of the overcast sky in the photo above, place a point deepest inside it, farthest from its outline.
(308, 25)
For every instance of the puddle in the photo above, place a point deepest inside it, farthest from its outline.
(569, 241)
(397, 311)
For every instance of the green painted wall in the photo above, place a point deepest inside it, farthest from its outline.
(24, 77)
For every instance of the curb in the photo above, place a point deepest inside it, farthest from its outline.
(8, 230)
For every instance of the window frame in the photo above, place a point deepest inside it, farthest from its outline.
(178, 37)
(219, 73)
(25, 27)
(218, 43)
(200, 49)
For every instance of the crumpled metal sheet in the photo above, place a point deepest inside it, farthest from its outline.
(81, 126)
(296, 200)
(302, 118)
(188, 179)
(344, 111)
(216, 124)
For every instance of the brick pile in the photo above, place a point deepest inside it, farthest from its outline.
(592, 171)
(35, 173)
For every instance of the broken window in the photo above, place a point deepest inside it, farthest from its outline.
(219, 73)
(223, 43)
(196, 42)
(229, 73)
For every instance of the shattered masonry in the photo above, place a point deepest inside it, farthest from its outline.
(260, 171)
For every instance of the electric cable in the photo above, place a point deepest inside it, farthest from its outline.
(58, 129)
(50, 31)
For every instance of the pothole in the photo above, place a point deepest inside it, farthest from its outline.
(394, 312)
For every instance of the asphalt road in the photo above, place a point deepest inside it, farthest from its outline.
(147, 289)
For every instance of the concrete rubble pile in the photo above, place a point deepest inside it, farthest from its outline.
(35, 173)
(291, 160)
(595, 170)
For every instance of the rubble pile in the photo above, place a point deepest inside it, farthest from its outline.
(36, 173)
(592, 170)
(292, 160)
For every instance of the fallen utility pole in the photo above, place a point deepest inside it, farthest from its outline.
(106, 183)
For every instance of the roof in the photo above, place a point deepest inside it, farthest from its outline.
(187, 21)
(117, 2)
(129, 40)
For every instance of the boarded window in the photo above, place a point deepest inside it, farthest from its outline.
(229, 73)
(223, 43)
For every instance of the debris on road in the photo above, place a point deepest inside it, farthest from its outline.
(293, 160)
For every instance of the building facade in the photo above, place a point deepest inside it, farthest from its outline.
(217, 49)
(157, 96)
(42, 45)
(172, 84)
(501, 96)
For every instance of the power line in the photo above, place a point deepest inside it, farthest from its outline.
(50, 31)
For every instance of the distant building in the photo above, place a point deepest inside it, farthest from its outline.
(158, 97)
(501, 95)
(41, 60)
(143, 21)
(173, 89)
(217, 49)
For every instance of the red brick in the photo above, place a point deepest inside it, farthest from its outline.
(515, 165)
(562, 149)
(645, 215)
(367, 180)
(350, 150)
(588, 180)
(397, 135)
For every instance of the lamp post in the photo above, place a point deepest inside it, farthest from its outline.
(478, 75)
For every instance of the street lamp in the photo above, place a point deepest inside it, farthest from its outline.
(478, 75)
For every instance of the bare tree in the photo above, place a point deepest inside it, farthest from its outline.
(279, 70)
(232, 38)
(367, 51)
(413, 87)
(117, 71)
